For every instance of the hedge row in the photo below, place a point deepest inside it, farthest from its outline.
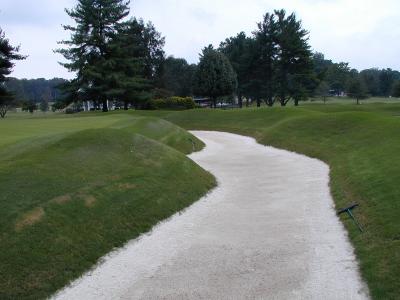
(173, 103)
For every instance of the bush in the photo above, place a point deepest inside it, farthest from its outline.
(70, 111)
(172, 103)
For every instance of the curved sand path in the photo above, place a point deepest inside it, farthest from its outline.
(269, 231)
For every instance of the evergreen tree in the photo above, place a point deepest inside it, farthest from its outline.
(126, 74)
(155, 55)
(267, 50)
(295, 75)
(215, 76)
(237, 50)
(136, 56)
(8, 53)
(88, 50)
(177, 76)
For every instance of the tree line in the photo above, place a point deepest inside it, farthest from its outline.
(124, 61)
(35, 91)
(121, 59)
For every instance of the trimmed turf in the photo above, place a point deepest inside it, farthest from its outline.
(69, 196)
(361, 144)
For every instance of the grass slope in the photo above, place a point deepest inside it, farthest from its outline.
(69, 196)
(361, 144)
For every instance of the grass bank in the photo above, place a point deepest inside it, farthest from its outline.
(361, 144)
(72, 189)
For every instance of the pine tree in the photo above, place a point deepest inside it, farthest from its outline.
(237, 50)
(8, 53)
(265, 41)
(127, 74)
(88, 50)
(155, 55)
(294, 62)
(177, 76)
(215, 76)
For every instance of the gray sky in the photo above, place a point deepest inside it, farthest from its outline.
(365, 33)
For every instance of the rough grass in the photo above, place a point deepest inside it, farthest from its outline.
(361, 144)
(69, 196)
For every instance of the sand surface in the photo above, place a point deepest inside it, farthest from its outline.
(268, 231)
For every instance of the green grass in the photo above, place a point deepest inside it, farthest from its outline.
(361, 144)
(347, 100)
(74, 188)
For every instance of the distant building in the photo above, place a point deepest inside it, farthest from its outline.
(90, 105)
(203, 102)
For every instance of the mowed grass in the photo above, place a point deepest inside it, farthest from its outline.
(361, 144)
(74, 188)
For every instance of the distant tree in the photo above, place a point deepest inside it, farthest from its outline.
(267, 45)
(88, 52)
(177, 76)
(255, 80)
(321, 66)
(58, 105)
(357, 89)
(29, 106)
(371, 77)
(294, 63)
(215, 76)
(396, 89)
(8, 54)
(322, 90)
(237, 50)
(35, 89)
(387, 78)
(337, 76)
(44, 105)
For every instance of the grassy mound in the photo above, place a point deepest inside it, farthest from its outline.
(164, 132)
(361, 144)
(72, 197)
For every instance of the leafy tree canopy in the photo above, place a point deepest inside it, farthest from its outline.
(215, 76)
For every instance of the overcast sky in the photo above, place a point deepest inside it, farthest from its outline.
(365, 33)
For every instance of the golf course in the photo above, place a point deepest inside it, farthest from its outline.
(206, 150)
(76, 187)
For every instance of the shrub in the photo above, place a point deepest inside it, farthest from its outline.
(172, 103)
(70, 111)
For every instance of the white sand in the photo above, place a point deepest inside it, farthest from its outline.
(269, 231)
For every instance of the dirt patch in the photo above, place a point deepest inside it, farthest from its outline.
(62, 199)
(127, 186)
(89, 200)
(30, 218)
